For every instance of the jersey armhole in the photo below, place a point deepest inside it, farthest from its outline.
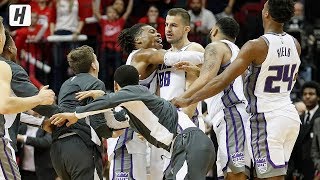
(266, 40)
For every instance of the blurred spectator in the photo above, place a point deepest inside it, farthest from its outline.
(220, 8)
(119, 6)
(110, 56)
(44, 12)
(89, 29)
(202, 21)
(66, 19)
(303, 32)
(154, 20)
(301, 164)
(34, 153)
(301, 107)
(4, 11)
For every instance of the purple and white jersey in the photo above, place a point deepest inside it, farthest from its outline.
(269, 85)
(172, 82)
(151, 81)
(233, 93)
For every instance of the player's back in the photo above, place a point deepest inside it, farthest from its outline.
(151, 81)
(269, 85)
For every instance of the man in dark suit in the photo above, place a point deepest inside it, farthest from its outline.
(301, 158)
(34, 153)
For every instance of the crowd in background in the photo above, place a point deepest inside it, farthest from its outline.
(103, 20)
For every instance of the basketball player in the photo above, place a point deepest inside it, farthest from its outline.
(157, 121)
(11, 105)
(226, 109)
(173, 82)
(143, 43)
(274, 62)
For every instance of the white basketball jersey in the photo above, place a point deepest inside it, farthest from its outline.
(233, 93)
(172, 82)
(151, 81)
(269, 85)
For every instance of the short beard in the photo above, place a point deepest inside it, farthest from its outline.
(196, 11)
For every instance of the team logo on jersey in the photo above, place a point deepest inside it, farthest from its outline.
(261, 164)
(122, 176)
(238, 159)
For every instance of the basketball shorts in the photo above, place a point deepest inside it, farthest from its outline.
(229, 126)
(271, 137)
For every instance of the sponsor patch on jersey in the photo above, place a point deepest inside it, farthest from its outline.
(262, 165)
(122, 176)
(238, 159)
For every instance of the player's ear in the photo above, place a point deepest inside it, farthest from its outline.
(187, 29)
(266, 14)
(93, 65)
(116, 86)
(214, 32)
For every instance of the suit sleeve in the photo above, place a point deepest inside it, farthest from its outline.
(105, 102)
(40, 142)
(22, 87)
(315, 153)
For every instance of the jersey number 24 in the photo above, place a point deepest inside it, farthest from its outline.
(283, 74)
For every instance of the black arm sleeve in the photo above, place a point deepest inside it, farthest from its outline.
(109, 101)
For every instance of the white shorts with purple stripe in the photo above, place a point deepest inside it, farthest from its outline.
(232, 155)
(271, 138)
(129, 161)
(9, 167)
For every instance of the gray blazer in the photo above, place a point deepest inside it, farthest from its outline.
(315, 148)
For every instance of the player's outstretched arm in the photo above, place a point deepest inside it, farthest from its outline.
(91, 93)
(251, 51)
(213, 56)
(153, 56)
(11, 105)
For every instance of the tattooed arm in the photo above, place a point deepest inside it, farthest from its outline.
(213, 57)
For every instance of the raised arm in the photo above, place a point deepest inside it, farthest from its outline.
(128, 11)
(11, 105)
(96, 10)
(252, 51)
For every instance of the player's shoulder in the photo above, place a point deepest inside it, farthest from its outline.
(5, 70)
(195, 47)
(145, 54)
(217, 44)
(256, 44)
(4, 65)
